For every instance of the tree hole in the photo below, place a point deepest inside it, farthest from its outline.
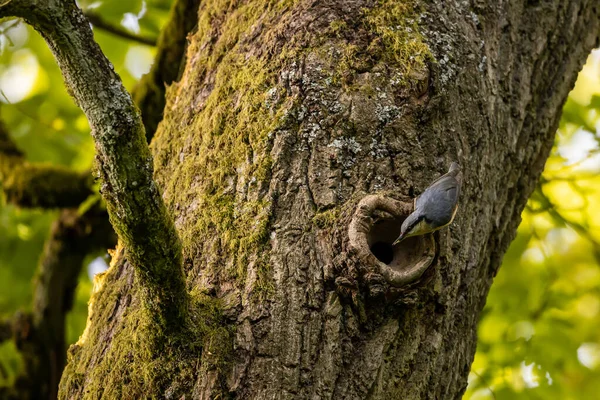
(383, 251)
(401, 256)
(375, 226)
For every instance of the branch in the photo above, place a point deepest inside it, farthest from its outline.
(149, 94)
(72, 238)
(40, 335)
(550, 207)
(123, 159)
(98, 22)
(38, 185)
(45, 186)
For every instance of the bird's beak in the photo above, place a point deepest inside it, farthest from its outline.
(398, 240)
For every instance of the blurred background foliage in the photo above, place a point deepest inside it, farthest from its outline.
(48, 127)
(539, 335)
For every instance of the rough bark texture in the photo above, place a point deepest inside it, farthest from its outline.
(287, 115)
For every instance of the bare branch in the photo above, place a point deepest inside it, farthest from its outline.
(123, 159)
(100, 23)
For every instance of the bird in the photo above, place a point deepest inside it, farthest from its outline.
(436, 207)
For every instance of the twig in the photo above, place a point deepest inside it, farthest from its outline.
(26, 113)
(483, 381)
(100, 23)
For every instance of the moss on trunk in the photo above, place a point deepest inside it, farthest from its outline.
(287, 114)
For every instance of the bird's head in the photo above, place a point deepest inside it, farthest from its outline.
(415, 224)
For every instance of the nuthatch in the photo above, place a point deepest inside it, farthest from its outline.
(436, 207)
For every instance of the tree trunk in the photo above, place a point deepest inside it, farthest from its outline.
(290, 151)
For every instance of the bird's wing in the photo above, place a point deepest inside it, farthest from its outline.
(451, 187)
(447, 184)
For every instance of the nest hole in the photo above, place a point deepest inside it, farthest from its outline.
(401, 256)
(384, 252)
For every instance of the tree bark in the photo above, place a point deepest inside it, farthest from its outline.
(295, 140)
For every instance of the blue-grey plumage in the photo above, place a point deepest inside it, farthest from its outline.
(435, 207)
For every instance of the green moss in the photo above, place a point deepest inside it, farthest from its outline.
(394, 39)
(231, 142)
(398, 40)
(326, 219)
(42, 185)
(216, 337)
(264, 286)
(337, 27)
(141, 361)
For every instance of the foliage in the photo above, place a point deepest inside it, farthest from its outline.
(539, 336)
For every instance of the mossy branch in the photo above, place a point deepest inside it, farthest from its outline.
(149, 94)
(40, 335)
(123, 159)
(38, 185)
(45, 186)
